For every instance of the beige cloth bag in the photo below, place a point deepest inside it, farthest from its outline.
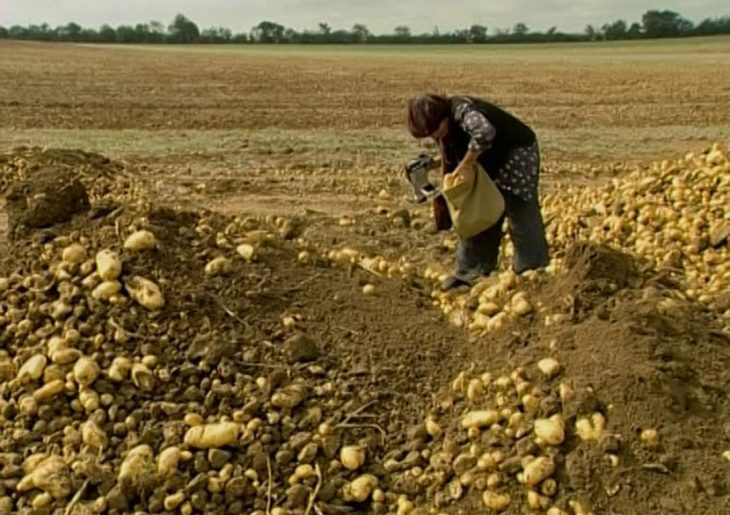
(474, 206)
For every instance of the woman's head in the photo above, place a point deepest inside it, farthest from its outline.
(428, 116)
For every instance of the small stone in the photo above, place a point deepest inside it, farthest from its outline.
(237, 487)
(117, 500)
(308, 453)
(300, 348)
(463, 463)
(297, 496)
(218, 458)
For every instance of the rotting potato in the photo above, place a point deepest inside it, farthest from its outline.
(145, 292)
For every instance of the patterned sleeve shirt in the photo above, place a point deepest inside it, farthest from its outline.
(520, 173)
(476, 125)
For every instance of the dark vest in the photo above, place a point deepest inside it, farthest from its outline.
(510, 132)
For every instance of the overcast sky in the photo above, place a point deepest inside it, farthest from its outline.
(379, 15)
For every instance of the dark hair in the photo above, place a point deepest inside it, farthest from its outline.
(425, 114)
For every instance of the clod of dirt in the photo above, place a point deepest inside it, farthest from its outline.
(50, 196)
(300, 348)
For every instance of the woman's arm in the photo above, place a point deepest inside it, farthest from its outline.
(482, 134)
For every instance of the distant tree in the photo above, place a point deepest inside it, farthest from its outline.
(126, 34)
(591, 32)
(70, 32)
(182, 30)
(402, 33)
(552, 30)
(664, 24)
(268, 32)
(634, 31)
(90, 35)
(477, 34)
(157, 32)
(3, 32)
(520, 30)
(18, 32)
(615, 30)
(107, 34)
(241, 37)
(325, 29)
(360, 32)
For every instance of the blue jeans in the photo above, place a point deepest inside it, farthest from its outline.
(477, 256)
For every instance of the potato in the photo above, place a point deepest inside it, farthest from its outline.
(140, 240)
(218, 266)
(142, 377)
(650, 437)
(74, 254)
(352, 457)
(89, 400)
(171, 502)
(168, 460)
(248, 251)
(368, 289)
(119, 369)
(549, 366)
(211, 436)
(538, 470)
(49, 390)
(51, 475)
(93, 436)
(591, 428)
(495, 501)
(32, 370)
(360, 489)
(137, 465)
(106, 290)
(145, 292)
(290, 396)
(433, 428)
(86, 371)
(550, 430)
(108, 265)
(474, 389)
(480, 419)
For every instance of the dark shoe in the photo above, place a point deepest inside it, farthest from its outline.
(452, 282)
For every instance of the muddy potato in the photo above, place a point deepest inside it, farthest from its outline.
(32, 369)
(352, 457)
(106, 290)
(212, 436)
(551, 430)
(549, 367)
(119, 369)
(496, 501)
(74, 254)
(93, 436)
(591, 428)
(145, 292)
(218, 266)
(108, 265)
(137, 465)
(480, 419)
(360, 489)
(86, 371)
(50, 474)
(538, 470)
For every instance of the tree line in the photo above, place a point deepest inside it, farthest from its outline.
(654, 24)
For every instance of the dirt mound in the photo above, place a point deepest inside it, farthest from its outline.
(104, 179)
(293, 354)
(632, 350)
(48, 197)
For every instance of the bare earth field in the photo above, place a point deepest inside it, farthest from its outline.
(303, 360)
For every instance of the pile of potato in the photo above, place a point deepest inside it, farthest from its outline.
(674, 214)
(507, 444)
